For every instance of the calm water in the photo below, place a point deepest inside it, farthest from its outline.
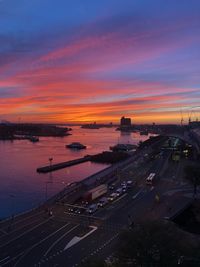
(22, 188)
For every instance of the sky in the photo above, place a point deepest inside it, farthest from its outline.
(83, 61)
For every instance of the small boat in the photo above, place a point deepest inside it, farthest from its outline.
(76, 145)
(34, 139)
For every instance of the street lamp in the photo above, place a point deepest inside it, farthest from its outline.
(12, 211)
(12, 204)
(46, 189)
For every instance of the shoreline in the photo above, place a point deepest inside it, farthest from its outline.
(88, 181)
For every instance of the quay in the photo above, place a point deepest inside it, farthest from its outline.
(104, 157)
(62, 165)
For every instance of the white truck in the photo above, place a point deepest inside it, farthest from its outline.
(95, 193)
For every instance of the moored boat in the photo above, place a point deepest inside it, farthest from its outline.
(76, 145)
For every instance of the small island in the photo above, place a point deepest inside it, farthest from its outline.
(18, 131)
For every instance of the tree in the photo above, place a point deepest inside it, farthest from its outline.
(94, 263)
(192, 173)
(153, 244)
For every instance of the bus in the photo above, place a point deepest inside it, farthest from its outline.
(150, 179)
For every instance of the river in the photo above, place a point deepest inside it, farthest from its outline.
(22, 188)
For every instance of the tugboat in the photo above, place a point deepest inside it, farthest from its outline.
(76, 145)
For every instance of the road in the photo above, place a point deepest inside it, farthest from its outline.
(42, 240)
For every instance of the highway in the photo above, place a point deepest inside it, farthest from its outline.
(66, 239)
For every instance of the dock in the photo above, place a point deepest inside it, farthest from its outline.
(61, 165)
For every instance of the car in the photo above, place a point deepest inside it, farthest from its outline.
(102, 202)
(92, 208)
(124, 188)
(119, 191)
(112, 197)
(79, 210)
(50, 213)
(112, 186)
(123, 183)
(84, 203)
(129, 183)
(71, 209)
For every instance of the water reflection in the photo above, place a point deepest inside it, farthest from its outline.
(20, 159)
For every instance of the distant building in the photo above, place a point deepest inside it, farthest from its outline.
(194, 124)
(125, 122)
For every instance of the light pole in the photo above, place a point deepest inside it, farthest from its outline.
(12, 204)
(50, 165)
(46, 189)
(12, 211)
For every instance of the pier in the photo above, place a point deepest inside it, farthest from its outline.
(58, 166)
(104, 157)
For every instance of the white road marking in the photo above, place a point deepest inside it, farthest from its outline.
(82, 215)
(119, 198)
(4, 232)
(23, 219)
(134, 197)
(38, 243)
(4, 259)
(77, 239)
(15, 238)
(50, 248)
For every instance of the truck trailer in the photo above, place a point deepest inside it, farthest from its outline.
(95, 193)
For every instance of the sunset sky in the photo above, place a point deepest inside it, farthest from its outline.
(96, 60)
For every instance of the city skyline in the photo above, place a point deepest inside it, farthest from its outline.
(64, 61)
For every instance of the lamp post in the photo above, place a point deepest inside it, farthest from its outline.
(46, 189)
(50, 173)
(12, 204)
(12, 211)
